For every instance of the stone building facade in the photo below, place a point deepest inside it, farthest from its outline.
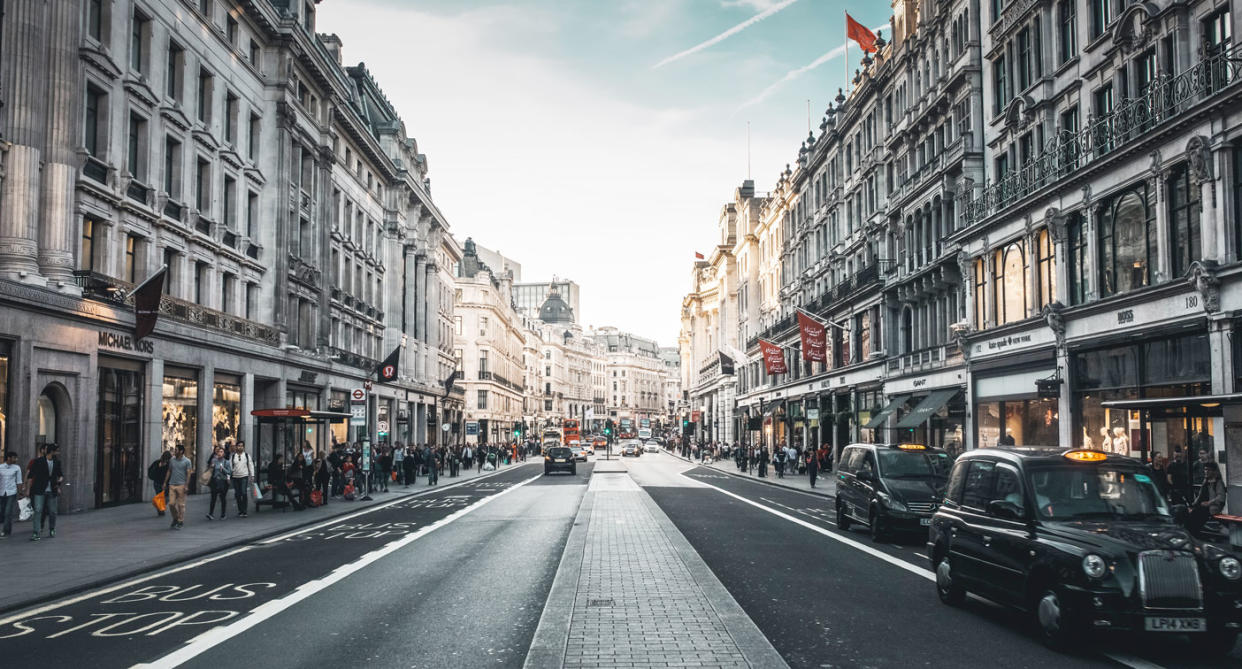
(228, 141)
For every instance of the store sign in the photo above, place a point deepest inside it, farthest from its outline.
(358, 395)
(1173, 307)
(1019, 341)
(472, 428)
(1048, 389)
(694, 416)
(124, 342)
(812, 414)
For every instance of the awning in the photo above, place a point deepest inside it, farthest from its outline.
(771, 408)
(882, 415)
(1194, 401)
(930, 404)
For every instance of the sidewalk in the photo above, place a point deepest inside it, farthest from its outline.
(105, 545)
(825, 485)
(631, 592)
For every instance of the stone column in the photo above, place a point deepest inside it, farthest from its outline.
(154, 422)
(22, 69)
(246, 429)
(206, 400)
(989, 291)
(420, 304)
(62, 86)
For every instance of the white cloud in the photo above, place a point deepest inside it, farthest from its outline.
(769, 11)
(547, 165)
(832, 54)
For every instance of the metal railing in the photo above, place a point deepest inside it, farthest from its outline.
(1165, 99)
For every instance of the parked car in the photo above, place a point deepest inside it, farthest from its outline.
(559, 458)
(890, 488)
(579, 452)
(1083, 542)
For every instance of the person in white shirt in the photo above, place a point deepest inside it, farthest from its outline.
(242, 471)
(10, 479)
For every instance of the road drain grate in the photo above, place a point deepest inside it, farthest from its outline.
(600, 602)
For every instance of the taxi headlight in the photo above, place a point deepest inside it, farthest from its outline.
(1094, 566)
(891, 503)
(1230, 568)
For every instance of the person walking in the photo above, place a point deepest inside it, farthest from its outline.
(157, 472)
(10, 483)
(336, 457)
(180, 469)
(243, 469)
(763, 463)
(433, 467)
(385, 467)
(454, 463)
(320, 477)
(43, 479)
(1210, 500)
(398, 462)
(812, 465)
(221, 471)
(781, 454)
(409, 465)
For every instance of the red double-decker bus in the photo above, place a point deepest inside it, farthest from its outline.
(572, 431)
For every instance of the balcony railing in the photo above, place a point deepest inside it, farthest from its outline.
(197, 314)
(1165, 99)
(101, 286)
(96, 170)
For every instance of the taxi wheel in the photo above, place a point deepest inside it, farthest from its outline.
(879, 533)
(843, 520)
(1051, 618)
(950, 593)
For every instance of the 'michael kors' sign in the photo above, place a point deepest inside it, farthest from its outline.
(124, 342)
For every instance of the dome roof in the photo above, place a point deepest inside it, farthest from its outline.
(555, 309)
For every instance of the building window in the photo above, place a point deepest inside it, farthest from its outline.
(483, 361)
(172, 168)
(251, 299)
(205, 85)
(174, 76)
(139, 41)
(252, 138)
(135, 160)
(230, 204)
(86, 250)
(131, 259)
(230, 29)
(1067, 15)
(254, 53)
(1184, 217)
(1023, 64)
(1126, 241)
(481, 401)
(1047, 268)
(94, 19)
(200, 282)
(1101, 16)
(202, 194)
(228, 283)
(981, 299)
(1010, 284)
(1237, 201)
(230, 118)
(252, 212)
(1000, 85)
(96, 112)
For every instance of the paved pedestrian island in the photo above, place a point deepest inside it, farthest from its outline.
(631, 592)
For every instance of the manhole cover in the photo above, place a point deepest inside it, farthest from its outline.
(599, 602)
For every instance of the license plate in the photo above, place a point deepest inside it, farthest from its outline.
(925, 522)
(1165, 624)
(560, 459)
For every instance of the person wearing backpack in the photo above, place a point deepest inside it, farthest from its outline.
(221, 468)
(781, 455)
(242, 470)
(157, 472)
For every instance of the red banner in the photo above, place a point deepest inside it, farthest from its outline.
(814, 339)
(773, 358)
(859, 33)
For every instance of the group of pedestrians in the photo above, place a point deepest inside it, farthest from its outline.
(41, 486)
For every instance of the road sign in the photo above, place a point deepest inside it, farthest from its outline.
(367, 384)
(472, 428)
(382, 426)
(358, 414)
(358, 395)
(366, 456)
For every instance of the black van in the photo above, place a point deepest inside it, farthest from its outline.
(890, 487)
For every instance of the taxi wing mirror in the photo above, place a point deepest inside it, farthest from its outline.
(1005, 509)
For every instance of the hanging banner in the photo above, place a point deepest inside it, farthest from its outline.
(814, 339)
(773, 358)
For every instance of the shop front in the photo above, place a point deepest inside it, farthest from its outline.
(1009, 408)
(118, 439)
(936, 419)
(6, 354)
(874, 413)
(1112, 384)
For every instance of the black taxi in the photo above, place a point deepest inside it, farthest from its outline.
(890, 488)
(1084, 542)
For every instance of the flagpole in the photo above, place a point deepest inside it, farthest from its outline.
(163, 268)
(821, 320)
(847, 51)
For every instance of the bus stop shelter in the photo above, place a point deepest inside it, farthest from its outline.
(284, 431)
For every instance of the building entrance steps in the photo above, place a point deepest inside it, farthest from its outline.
(631, 591)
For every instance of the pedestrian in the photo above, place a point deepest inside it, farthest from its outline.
(1210, 500)
(432, 465)
(243, 469)
(781, 454)
(385, 467)
(454, 463)
(221, 471)
(763, 463)
(157, 472)
(10, 483)
(398, 462)
(1160, 474)
(336, 457)
(320, 477)
(812, 465)
(43, 479)
(409, 465)
(180, 469)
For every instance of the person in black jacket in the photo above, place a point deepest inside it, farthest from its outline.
(276, 479)
(157, 472)
(43, 481)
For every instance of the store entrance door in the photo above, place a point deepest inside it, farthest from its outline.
(118, 443)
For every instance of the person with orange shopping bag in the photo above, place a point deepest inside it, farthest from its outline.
(157, 472)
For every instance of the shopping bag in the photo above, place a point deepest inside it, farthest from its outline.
(488, 467)
(394, 476)
(316, 498)
(24, 509)
(349, 492)
(204, 478)
(255, 491)
(159, 502)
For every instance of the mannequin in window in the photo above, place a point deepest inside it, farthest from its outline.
(1121, 442)
(1106, 441)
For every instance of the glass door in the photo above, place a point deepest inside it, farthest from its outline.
(118, 461)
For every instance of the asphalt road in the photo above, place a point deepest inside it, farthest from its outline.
(456, 576)
(826, 598)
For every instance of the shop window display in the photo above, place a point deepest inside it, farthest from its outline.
(226, 412)
(180, 416)
(1021, 422)
(4, 396)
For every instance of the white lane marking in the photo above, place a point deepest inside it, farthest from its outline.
(918, 571)
(215, 636)
(1126, 660)
(922, 556)
(22, 615)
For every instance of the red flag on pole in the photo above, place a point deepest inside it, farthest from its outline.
(859, 33)
(773, 358)
(699, 256)
(814, 339)
(147, 303)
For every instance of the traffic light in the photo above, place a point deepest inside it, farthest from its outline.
(517, 430)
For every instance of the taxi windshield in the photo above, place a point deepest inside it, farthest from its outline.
(899, 464)
(1089, 492)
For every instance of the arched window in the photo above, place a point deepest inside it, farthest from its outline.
(1010, 284)
(1047, 271)
(1126, 241)
(907, 330)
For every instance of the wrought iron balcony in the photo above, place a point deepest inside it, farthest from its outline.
(101, 286)
(1167, 98)
(197, 314)
(95, 169)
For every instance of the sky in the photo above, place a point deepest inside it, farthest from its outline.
(597, 140)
